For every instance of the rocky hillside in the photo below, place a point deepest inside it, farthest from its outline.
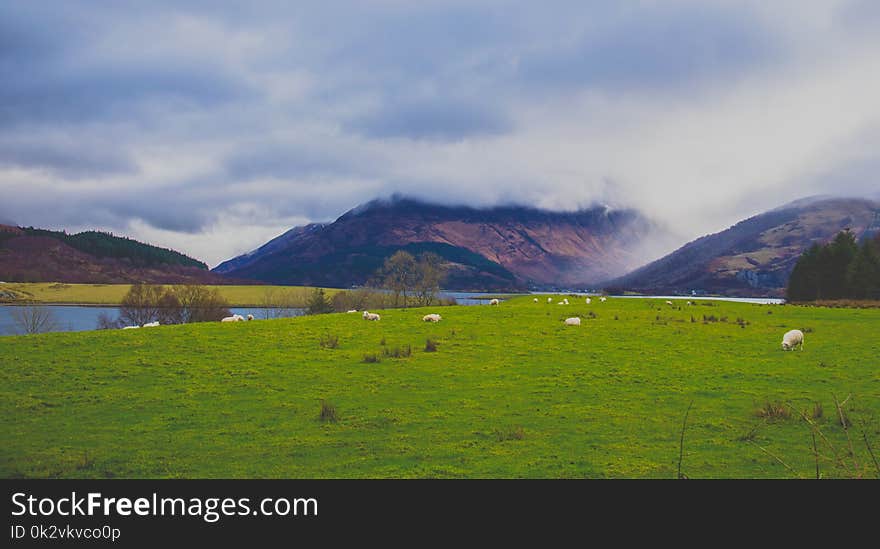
(755, 256)
(497, 248)
(38, 255)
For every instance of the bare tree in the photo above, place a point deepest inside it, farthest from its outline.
(34, 319)
(141, 304)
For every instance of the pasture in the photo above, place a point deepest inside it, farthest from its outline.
(510, 391)
(111, 294)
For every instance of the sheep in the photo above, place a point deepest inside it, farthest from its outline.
(130, 327)
(536, 300)
(433, 317)
(668, 302)
(561, 303)
(549, 300)
(588, 300)
(494, 302)
(371, 316)
(689, 303)
(351, 311)
(573, 321)
(238, 318)
(603, 299)
(792, 339)
(151, 324)
(229, 319)
(250, 317)
(565, 301)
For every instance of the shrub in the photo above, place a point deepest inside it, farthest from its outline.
(329, 341)
(328, 412)
(773, 410)
(398, 352)
(510, 433)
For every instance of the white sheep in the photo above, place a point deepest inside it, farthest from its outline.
(588, 300)
(238, 318)
(549, 300)
(250, 317)
(130, 327)
(229, 319)
(494, 302)
(573, 321)
(689, 303)
(371, 316)
(351, 311)
(668, 302)
(792, 339)
(536, 300)
(603, 299)
(151, 324)
(433, 317)
(565, 301)
(561, 303)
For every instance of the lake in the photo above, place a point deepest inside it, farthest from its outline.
(78, 318)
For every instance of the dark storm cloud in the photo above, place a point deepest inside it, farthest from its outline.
(659, 47)
(69, 160)
(438, 119)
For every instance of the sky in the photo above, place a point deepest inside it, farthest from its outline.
(211, 127)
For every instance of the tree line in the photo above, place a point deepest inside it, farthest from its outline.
(840, 269)
(178, 304)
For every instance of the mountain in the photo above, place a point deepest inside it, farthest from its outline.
(39, 255)
(755, 256)
(484, 249)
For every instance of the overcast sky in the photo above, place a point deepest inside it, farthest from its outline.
(213, 127)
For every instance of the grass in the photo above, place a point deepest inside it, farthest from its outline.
(112, 294)
(509, 392)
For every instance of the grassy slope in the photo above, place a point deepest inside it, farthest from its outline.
(604, 399)
(111, 294)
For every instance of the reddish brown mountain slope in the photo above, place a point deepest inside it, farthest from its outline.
(486, 248)
(28, 257)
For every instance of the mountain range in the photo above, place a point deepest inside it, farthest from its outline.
(501, 248)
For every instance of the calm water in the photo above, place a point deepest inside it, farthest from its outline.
(73, 318)
(78, 318)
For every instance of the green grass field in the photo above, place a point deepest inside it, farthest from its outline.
(510, 392)
(112, 294)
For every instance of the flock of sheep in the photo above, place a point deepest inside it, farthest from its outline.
(791, 340)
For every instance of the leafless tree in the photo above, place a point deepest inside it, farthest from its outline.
(34, 319)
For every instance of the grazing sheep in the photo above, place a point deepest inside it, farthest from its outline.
(549, 300)
(536, 300)
(250, 317)
(151, 324)
(352, 311)
(229, 319)
(561, 303)
(371, 316)
(588, 300)
(494, 302)
(238, 318)
(668, 302)
(792, 339)
(565, 301)
(433, 317)
(130, 327)
(573, 321)
(603, 299)
(689, 303)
